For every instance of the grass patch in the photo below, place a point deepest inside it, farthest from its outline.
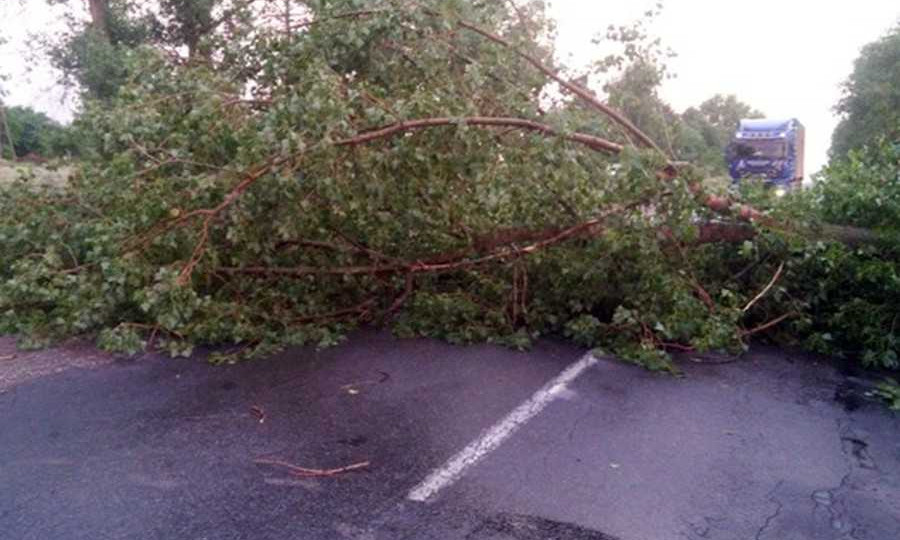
(54, 176)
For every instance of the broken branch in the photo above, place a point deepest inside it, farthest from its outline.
(765, 326)
(766, 289)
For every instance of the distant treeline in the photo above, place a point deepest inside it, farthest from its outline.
(35, 135)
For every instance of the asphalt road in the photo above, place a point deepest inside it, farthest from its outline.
(93, 447)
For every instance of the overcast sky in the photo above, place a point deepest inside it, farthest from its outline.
(786, 58)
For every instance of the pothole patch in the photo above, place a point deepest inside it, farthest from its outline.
(858, 449)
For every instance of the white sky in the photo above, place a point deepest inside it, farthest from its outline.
(783, 57)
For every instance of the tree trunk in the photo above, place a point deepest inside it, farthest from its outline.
(99, 9)
(193, 46)
(4, 125)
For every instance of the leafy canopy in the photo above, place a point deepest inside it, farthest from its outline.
(870, 105)
(396, 162)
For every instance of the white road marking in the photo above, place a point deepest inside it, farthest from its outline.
(494, 436)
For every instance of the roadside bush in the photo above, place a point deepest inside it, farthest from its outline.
(863, 189)
(854, 290)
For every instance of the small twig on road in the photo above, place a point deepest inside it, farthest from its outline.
(8, 357)
(305, 472)
(383, 377)
(258, 413)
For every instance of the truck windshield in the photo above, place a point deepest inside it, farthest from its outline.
(763, 148)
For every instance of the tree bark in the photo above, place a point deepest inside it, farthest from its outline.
(6, 131)
(99, 23)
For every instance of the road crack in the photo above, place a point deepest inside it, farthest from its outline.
(571, 434)
(774, 515)
(855, 450)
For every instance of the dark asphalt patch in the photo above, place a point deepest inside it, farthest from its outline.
(517, 527)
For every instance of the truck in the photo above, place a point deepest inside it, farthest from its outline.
(770, 149)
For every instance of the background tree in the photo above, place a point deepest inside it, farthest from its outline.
(35, 133)
(709, 127)
(92, 55)
(634, 78)
(189, 22)
(636, 93)
(717, 118)
(698, 135)
(870, 105)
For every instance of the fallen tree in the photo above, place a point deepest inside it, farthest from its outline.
(398, 165)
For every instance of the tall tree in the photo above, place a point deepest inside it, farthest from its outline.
(636, 94)
(698, 135)
(870, 105)
(90, 54)
(717, 117)
(189, 22)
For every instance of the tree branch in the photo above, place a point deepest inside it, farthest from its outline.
(765, 326)
(572, 87)
(766, 289)
(595, 143)
(437, 264)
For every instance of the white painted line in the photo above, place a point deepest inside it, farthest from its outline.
(494, 436)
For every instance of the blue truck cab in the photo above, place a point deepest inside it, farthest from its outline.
(771, 149)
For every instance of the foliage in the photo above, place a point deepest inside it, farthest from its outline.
(864, 188)
(855, 290)
(93, 59)
(96, 60)
(398, 165)
(34, 132)
(870, 105)
(889, 391)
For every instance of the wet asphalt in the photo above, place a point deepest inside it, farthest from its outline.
(776, 445)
